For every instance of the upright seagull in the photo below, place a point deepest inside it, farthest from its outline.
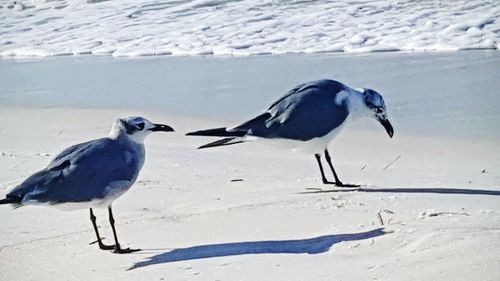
(307, 118)
(91, 174)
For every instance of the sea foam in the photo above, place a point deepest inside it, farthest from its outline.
(247, 27)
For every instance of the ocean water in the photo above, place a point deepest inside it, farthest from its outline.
(451, 94)
(245, 27)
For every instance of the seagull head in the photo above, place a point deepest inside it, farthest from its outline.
(136, 128)
(375, 108)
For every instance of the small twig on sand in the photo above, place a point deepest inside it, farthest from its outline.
(446, 213)
(379, 215)
(392, 162)
(380, 218)
(313, 188)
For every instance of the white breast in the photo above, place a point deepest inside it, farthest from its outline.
(313, 146)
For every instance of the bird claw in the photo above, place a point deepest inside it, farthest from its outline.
(325, 181)
(340, 184)
(116, 249)
(119, 250)
(103, 246)
(106, 247)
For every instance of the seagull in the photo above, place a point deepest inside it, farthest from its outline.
(306, 119)
(91, 174)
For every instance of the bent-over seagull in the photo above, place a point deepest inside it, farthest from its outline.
(307, 118)
(91, 174)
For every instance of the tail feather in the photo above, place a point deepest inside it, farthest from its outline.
(217, 132)
(236, 134)
(222, 142)
(256, 124)
(10, 200)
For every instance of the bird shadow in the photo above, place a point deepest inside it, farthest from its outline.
(314, 245)
(411, 190)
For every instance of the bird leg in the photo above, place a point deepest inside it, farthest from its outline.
(337, 180)
(102, 246)
(325, 181)
(118, 249)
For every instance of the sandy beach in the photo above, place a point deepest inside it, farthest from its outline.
(428, 208)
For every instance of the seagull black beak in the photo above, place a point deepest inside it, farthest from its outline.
(387, 125)
(161, 128)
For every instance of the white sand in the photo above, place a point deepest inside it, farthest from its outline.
(184, 198)
(195, 224)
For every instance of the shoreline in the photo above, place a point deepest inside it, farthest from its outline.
(264, 55)
(234, 56)
(459, 103)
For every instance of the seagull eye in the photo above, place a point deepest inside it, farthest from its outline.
(140, 125)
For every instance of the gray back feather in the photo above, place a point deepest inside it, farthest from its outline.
(83, 172)
(308, 111)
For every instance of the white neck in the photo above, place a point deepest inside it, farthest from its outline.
(117, 132)
(355, 102)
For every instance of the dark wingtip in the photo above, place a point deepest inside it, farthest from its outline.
(216, 132)
(222, 142)
(8, 200)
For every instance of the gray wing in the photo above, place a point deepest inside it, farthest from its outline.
(308, 111)
(82, 173)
